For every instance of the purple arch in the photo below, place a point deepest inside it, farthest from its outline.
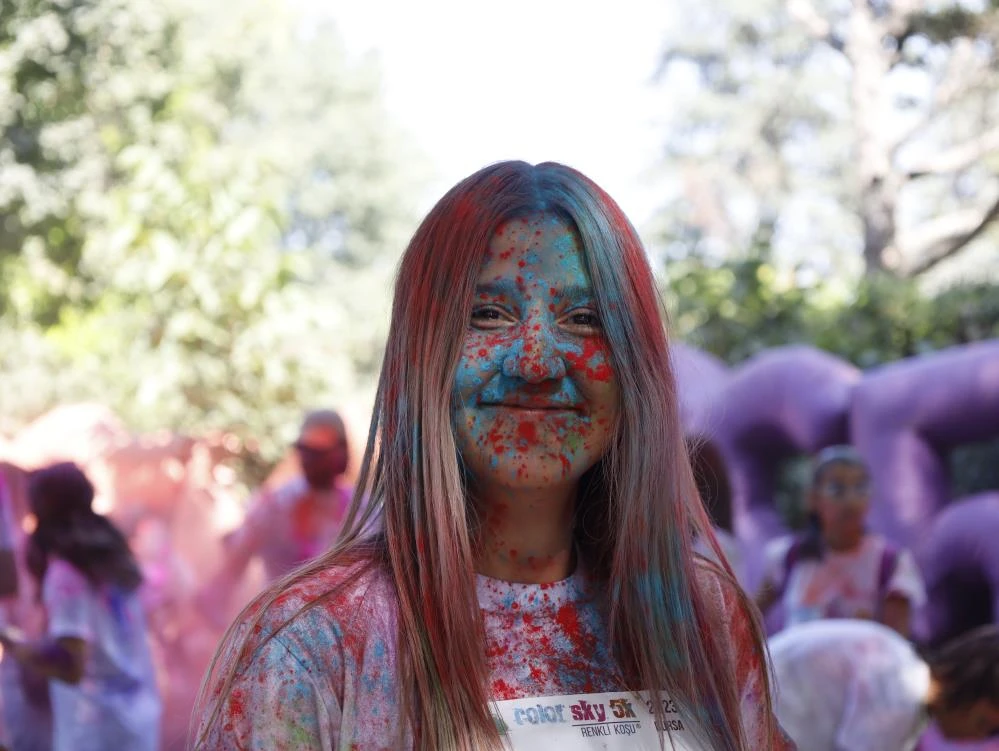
(782, 402)
(960, 563)
(700, 380)
(906, 416)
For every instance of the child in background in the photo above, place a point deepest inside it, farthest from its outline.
(837, 568)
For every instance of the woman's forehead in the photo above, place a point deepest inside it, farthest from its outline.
(541, 244)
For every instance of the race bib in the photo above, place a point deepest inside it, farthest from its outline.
(617, 720)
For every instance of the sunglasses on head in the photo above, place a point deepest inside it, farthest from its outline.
(839, 491)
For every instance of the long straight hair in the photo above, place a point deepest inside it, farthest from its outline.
(634, 511)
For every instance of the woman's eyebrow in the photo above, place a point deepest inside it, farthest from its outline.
(574, 292)
(497, 288)
(508, 288)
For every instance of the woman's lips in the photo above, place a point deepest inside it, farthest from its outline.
(532, 406)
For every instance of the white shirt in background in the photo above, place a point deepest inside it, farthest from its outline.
(273, 531)
(842, 585)
(846, 685)
(116, 705)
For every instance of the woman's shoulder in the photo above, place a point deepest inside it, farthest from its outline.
(346, 600)
(728, 610)
(720, 594)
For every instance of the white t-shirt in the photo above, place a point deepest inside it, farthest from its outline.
(276, 530)
(845, 685)
(116, 705)
(841, 585)
(329, 678)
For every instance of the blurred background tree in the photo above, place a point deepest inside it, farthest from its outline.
(200, 212)
(865, 133)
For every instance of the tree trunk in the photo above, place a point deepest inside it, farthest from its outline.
(877, 188)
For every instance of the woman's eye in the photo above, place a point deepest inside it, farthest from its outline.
(486, 316)
(585, 318)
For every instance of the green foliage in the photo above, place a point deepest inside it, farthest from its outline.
(738, 308)
(200, 210)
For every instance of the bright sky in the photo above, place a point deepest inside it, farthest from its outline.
(478, 82)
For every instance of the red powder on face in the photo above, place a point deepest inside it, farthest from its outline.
(495, 438)
(566, 465)
(483, 352)
(591, 350)
(528, 431)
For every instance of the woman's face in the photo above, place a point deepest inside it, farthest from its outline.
(841, 499)
(537, 396)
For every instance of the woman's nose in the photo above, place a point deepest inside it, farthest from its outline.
(537, 359)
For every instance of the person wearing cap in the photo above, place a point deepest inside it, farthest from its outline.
(294, 522)
(837, 567)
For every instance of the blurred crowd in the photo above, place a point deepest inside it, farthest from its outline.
(189, 554)
(121, 570)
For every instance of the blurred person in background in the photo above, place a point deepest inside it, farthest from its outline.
(26, 716)
(837, 568)
(847, 685)
(294, 522)
(96, 656)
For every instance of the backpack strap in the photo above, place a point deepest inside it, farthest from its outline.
(791, 558)
(886, 570)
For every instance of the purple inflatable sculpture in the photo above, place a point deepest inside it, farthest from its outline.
(907, 416)
(783, 402)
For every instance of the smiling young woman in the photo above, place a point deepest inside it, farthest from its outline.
(528, 479)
